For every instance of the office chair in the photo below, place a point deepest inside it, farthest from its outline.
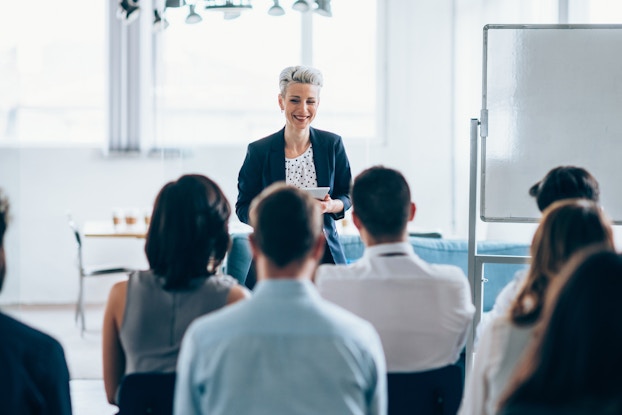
(433, 392)
(147, 393)
(84, 272)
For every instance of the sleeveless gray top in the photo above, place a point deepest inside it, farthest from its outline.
(155, 319)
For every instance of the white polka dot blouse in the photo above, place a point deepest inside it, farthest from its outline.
(300, 171)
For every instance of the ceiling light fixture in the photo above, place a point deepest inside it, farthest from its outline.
(193, 17)
(301, 6)
(323, 8)
(276, 9)
(159, 23)
(231, 15)
(128, 11)
(231, 8)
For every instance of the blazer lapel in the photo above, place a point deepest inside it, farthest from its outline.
(320, 159)
(277, 157)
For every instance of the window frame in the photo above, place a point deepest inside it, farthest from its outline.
(132, 53)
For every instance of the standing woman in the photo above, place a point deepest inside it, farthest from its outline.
(300, 155)
(147, 315)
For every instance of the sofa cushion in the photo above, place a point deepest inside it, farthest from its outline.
(239, 257)
(432, 250)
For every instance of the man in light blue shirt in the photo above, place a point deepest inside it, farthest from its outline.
(285, 351)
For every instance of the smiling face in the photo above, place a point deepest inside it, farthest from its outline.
(300, 105)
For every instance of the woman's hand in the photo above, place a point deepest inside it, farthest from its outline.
(328, 205)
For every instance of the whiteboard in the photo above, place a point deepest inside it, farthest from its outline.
(552, 95)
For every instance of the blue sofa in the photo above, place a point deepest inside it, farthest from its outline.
(433, 250)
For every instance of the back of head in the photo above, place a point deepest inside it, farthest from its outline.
(381, 201)
(287, 223)
(299, 74)
(566, 227)
(578, 356)
(189, 232)
(565, 182)
(4, 219)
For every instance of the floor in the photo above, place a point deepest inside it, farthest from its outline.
(83, 353)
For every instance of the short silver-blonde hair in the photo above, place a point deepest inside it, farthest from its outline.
(300, 74)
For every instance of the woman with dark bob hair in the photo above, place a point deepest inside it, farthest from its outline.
(147, 315)
(575, 367)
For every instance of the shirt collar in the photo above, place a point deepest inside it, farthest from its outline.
(285, 288)
(389, 249)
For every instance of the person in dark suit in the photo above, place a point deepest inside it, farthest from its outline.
(299, 155)
(34, 378)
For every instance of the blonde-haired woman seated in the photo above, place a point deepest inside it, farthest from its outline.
(146, 316)
(566, 227)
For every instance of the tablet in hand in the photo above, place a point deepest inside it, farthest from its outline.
(317, 192)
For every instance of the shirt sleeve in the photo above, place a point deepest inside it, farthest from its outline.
(343, 179)
(466, 309)
(477, 388)
(56, 388)
(503, 302)
(249, 184)
(378, 395)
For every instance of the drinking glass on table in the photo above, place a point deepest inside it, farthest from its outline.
(118, 217)
(131, 216)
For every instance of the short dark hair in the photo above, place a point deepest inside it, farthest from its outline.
(565, 182)
(4, 220)
(286, 221)
(189, 232)
(381, 200)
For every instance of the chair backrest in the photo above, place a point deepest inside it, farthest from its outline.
(433, 392)
(76, 233)
(147, 393)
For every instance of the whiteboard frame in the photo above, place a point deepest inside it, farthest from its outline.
(476, 262)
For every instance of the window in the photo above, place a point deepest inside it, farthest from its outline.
(345, 49)
(217, 80)
(53, 82)
(601, 11)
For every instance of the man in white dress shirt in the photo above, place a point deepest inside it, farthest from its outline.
(421, 311)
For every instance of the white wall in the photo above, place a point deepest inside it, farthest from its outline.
(419, 107)
(43, 184)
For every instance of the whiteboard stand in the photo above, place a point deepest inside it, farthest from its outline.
(476, 262)
(550, 93)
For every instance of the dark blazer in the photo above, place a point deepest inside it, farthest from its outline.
(265, 164)
(33, 372)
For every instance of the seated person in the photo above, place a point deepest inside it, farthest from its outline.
(567, 226)
(574, 366)
(421, 311)
(34, 378)
(562, 182)
(284, 351)
(147, 315)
